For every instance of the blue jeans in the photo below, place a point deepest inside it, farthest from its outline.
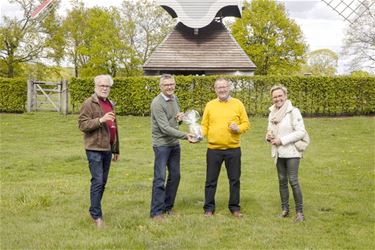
(164, 195)
(99, 164)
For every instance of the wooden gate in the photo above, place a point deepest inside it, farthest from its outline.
(48, 96)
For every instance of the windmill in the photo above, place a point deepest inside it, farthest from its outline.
(350, 10)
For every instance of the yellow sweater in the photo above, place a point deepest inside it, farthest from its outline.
(217, 117)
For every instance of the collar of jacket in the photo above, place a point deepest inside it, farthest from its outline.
(95, 99)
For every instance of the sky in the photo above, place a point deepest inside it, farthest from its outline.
(322, 27)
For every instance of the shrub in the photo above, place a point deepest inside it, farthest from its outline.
(328, 96)
(13, 94)
(312, 95)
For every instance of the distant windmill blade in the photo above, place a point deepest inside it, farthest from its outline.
(42, 9)
(350, 10)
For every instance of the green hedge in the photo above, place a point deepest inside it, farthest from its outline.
(313, 95)
(13, 95)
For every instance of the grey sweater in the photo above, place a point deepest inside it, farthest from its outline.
(164, 124)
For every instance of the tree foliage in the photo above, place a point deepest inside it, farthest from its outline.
(26, 39)
(92, 40)
(359, 43)
(321, 62)
(144, 26)
(273, 41)
(96, 40)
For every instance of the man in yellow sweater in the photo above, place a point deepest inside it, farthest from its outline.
(224, 120)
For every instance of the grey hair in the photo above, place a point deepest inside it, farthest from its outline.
(276, 87)
(221, 79)
(165, 77)
(100, 78)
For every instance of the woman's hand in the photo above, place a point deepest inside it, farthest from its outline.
(276, 141)
(269, 136)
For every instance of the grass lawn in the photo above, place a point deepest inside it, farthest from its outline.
(45, 190)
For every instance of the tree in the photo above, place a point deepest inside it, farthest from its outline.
(271, 40)
(73, 30)
(102, 43)
(93, 42)
(359, 42)
(114, 41)
(23, 39)
(321, 62)
(144, 26)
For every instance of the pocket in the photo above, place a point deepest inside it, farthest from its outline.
(93, 156)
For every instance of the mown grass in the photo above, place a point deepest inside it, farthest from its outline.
(45, 190)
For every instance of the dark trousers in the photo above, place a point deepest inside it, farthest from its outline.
(99, 164)
(164, 194)
(287, 169)
(232, 160)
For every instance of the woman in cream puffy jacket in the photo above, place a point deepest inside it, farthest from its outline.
(285, 127)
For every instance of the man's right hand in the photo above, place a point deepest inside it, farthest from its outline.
(110, 116)
(191, 138)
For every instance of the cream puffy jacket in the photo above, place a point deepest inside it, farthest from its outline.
(291, 129)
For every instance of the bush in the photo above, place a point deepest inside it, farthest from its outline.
(13, 95)
(312, 95)
(323, 96)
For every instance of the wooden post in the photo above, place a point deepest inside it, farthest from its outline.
(64, 100)
(30, 96)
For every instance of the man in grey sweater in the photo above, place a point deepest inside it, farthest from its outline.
(165, 118)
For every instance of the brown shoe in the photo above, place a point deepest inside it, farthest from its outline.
(237, 214)
(158, 217)
(299, 217)
(170, 212)
(284, 214)
(208, 214)
(99, 223)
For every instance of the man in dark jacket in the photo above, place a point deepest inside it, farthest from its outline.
(97, 121)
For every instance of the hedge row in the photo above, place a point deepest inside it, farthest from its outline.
(313, 95)
(13, 95)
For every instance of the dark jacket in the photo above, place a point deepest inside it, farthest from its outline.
(96, 135)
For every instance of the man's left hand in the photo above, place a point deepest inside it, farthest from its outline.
(234, 127)
(115, 157)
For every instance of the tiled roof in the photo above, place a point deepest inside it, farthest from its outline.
(213, 48)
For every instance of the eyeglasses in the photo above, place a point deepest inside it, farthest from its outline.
(221, 87)
(104, 86)
(169, 85)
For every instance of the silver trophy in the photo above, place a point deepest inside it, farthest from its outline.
(191, 118)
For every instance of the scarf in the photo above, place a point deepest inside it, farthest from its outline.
(277, 115)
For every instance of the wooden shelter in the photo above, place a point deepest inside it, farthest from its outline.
(200, 44)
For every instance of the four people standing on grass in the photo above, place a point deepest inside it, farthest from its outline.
(165, 119)
(285, 127)
(98, 122)
(224, 120)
